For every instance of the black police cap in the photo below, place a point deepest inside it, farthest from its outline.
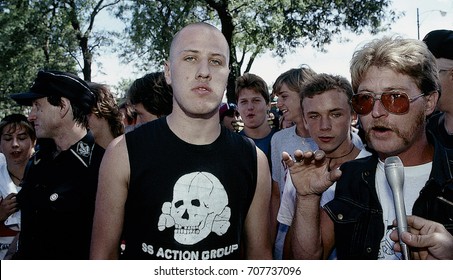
(57, 83)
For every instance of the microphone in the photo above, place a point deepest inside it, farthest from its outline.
(394, 171)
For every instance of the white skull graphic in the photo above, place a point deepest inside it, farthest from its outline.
(199, 206)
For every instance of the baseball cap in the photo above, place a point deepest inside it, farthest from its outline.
(56, 83)
(225, 108)
(440, 43)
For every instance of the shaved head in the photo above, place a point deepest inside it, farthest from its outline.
(200, 27)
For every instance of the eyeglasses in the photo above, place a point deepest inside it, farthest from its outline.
(394, 101)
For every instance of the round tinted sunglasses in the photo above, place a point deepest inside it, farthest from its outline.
(394, 101)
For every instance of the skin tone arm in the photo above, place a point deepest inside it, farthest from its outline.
(257, 236)
(428, 240)
(275, 204)
(110, 201)
(311, 234)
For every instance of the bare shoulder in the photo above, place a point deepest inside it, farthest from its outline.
(115, 163)
(117, 147)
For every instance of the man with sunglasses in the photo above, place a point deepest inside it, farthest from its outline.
(440, 43)
(395, 81)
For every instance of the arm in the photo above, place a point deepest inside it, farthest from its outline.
(311, 234)
(111, 197)
(428, 240)
(257, 236)
(275, 204)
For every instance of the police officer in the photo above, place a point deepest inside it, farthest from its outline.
(59, 189)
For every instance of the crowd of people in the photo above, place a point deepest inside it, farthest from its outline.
(175, 173)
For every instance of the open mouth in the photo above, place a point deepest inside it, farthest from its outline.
(381, 129)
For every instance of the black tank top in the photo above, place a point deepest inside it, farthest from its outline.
(187, 201)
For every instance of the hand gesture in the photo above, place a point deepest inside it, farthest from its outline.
(8, 206)
(310, 172)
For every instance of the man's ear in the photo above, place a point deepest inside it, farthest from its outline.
(167, 72)
(431, 102)
(64, 107)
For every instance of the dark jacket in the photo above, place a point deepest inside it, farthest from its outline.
(57, 202)
(357, 213)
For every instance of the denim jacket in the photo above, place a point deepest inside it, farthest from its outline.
(357, 213)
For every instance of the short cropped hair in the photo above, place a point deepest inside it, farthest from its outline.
(253, 82)
(321, 83)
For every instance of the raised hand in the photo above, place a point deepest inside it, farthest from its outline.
(310, 172)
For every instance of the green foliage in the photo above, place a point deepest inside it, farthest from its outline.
(122, 87)
(150, 28)
(252, 27)
(28, 42)
(59, 34)
(47, 34)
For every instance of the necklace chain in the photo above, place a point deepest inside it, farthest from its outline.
(331, 158)
(347, 154)
(14, 176)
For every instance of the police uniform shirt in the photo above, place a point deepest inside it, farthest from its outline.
(57, 201)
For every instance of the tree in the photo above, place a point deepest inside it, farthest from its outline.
(25, 47)
(47, 34)
(78, 12)
(251, 27)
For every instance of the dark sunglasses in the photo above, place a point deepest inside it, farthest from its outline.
(394, 101)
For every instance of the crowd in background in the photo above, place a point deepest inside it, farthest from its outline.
(292, 172)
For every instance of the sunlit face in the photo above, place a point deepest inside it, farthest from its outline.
(387, 133)
(143, 116)
(288, 103)
(328, 118)
(198, 70)
(253, 108)
(45, 117)
(16, 145)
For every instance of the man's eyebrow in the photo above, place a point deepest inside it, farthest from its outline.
(189, 51)
(197, 52)
(330, 110)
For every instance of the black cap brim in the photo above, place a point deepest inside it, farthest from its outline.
(26, 98)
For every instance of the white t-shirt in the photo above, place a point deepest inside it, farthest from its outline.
(286, 140)
(415, 178)
(288, 201)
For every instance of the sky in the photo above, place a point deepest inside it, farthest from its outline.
(334, 61)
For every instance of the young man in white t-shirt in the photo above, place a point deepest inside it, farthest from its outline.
(328, 116)
(286, 88)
